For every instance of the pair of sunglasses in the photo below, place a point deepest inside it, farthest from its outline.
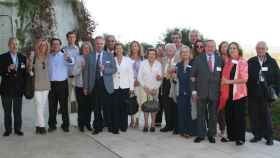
(44, 65)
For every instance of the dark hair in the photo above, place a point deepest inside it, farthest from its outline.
(240, 51)
(177, 32)
(70, 33)
(221, 44)
(195, 52)
(118, 44)
(151, 50)
(56, 39)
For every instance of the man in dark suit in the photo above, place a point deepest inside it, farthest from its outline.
(13, 71)
(205, 75)
(263, 72)
(98, 81)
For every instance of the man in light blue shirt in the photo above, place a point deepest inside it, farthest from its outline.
(74, 52)
(58, 75)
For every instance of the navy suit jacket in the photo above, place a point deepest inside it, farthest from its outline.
(12, 83)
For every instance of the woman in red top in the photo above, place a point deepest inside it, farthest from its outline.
(234, 93)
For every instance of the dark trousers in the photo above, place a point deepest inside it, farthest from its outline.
(10, 103)
(235, 119)
(160, 112)
(169, 106)
(58, 94)
(210, 106)
(184, 118)
(102, 100)
(119, 110)
(84, 107)
(222, 120)
(260, 117)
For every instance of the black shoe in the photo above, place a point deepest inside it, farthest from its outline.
(145, 129)
(6, 134)
(175, 132)
(152, 129)
(269, 142)
(19, 133)
(95, 132)
(115, 132)
(123, 130)
(165, 129)
(81, 129)
(198, 139)
(65, 129)
(43, 130)
(211, 139)
(255, 139)
(37, 130)
(89, 128)
(52, 129)
(224, 140)
(239, 142)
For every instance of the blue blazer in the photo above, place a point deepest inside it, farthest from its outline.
(90, 71)
(183, 75)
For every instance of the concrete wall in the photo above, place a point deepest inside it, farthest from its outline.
(7, 24)
(66, 21)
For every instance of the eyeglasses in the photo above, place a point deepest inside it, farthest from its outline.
(199, 46)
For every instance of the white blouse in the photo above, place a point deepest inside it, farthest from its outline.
(147, 74)
(123, 78)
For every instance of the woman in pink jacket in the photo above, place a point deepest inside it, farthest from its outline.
(234, 93)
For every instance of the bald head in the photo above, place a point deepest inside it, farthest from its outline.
(261, 48)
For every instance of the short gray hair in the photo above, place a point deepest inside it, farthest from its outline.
(185, 47)
(84, 44)
(196, 32)
(170, 45)
(12, 39)
(263, 43)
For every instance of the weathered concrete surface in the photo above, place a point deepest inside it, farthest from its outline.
(132, 144)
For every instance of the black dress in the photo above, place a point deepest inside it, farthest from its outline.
(184, 123)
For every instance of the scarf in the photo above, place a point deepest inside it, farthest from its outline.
(225, 87)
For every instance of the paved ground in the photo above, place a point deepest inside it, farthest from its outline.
(133, 144)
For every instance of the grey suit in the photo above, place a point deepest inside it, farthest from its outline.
(207, 86)
(100, 88)
(90, 71)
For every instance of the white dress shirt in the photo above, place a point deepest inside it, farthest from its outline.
(123, 78)
(212, 56)
(147, 74)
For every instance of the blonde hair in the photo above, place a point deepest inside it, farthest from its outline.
(39, 45)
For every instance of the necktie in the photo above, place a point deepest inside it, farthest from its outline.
(98, 67)
(210, 63)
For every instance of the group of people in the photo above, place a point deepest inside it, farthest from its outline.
(196, 86)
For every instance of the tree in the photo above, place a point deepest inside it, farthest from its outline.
(185, 36)
(86, 24)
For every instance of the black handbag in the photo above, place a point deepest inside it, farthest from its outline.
(29, 86)
(132, 105)
(272, 95)
(150, 106)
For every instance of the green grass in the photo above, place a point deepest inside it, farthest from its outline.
(276, 119)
